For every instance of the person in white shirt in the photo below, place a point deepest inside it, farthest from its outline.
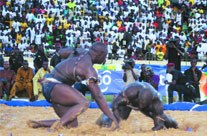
(30, 16)
(38, 38)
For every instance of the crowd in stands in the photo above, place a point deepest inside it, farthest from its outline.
(135, 28)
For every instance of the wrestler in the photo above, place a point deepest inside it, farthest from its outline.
(143, 97)
(68, 102)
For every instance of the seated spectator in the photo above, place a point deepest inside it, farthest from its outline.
(193, 75)
(37, 88)
(23, 81)
(7, 79)
(178, 84)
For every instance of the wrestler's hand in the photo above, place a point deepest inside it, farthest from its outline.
(57, 125)
(116, 123)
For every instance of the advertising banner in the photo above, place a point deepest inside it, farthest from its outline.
(111, 81)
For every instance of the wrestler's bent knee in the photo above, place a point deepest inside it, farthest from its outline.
(84, 104)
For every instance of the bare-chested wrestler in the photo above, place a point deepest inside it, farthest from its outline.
(143, 97)
(67, 102)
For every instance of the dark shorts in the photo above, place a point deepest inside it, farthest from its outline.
(48, 87)
(3, 80)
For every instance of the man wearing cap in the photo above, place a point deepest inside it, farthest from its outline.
(177, 84)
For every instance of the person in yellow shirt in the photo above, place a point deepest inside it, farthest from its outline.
(37, 88)
(23, 81)
(158, 46)
(192, 2)
(160, 55)
(66, 25)
(49, 19)
(119, 23)
(71, 5)
(18, 37)
(24, 25)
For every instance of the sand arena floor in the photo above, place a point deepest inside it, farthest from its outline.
(13, 122)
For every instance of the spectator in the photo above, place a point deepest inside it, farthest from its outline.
(56, 57)
(152, 78)
(7, 79)
(143, 73)
(23, 81)
(39, 57)
(130, 73)
(159, 20)
(176, 84)
(194, 75)
(37, 88)
(174, 53)
(160, 55)
(16, 60)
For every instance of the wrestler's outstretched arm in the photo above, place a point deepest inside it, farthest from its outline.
(92, 81)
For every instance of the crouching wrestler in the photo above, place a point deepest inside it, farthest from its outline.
(68, 102)
(142, 97)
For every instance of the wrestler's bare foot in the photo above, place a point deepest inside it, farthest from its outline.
(57, 125)
(33, 124)
(157, 127)
(71, 125)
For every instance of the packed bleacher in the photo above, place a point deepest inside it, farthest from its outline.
(134, 28)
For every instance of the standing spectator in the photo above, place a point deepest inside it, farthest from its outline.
(56, 57)
(37, 88)
(23, 81)
(39, 57)
(174, 53)
(194, 75)
(7, 79)
(130, 73)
